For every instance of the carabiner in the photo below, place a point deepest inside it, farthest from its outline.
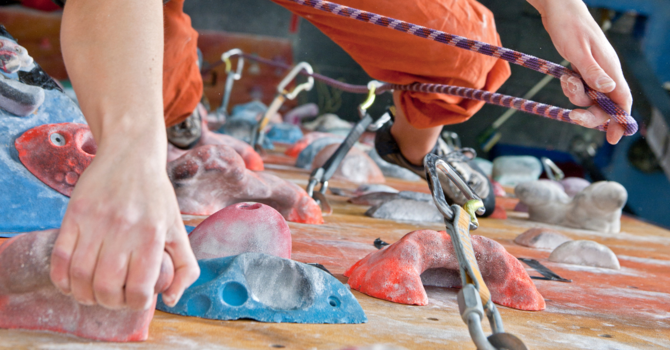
(282, 95)
(553, 171)
(225, 57)
(431, 164)
(306, 86)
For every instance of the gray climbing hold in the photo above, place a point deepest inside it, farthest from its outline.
(541, 238)
(587, 253)
(485, 165)
(392, 170)
(306, 157)
(19, 98)
(266, 288)
(371, 188)
(377, 198)
(513, 170)
(406, 210)
(329, 123)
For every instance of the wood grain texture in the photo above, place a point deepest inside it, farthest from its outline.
(601, 309)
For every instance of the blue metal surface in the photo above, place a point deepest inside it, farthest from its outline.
(266, 288)
(656, 41)
(27, 203)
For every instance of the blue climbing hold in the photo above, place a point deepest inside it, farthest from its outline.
(266, 288)
(27, 203)
(284, 133)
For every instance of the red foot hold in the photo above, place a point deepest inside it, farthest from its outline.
(28, 299)
(57, 154)
(209, 178)
(242, 228)
(498, 213)
(398, 272)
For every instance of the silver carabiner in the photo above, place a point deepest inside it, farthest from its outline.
(232, 76)
(431, 164)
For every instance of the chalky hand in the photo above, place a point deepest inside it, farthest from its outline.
(122, 215)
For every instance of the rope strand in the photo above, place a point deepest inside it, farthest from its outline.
(613, 110)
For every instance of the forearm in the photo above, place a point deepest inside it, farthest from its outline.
(113, 51)
(542, 6)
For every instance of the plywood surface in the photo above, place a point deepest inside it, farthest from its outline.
(601, 309)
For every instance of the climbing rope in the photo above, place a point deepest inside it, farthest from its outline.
(615, 112)
(552, 112)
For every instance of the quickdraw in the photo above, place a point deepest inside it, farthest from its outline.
(282, 95)
(474, 299)
(323, 174)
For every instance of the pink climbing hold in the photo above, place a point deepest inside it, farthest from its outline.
(57, 154)
(252, 160)
(209, 178)
(242, 228)
(356, 166)
(28, 299)
(399, 272)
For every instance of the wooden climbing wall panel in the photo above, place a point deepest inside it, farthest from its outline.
(600, 309)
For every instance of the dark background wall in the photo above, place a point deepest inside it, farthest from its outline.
(520, 28)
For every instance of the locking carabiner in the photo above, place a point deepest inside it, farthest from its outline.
(323, 174)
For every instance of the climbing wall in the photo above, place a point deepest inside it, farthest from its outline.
(600, 309)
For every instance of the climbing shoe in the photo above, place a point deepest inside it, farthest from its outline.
(461, 160)
(186, 134)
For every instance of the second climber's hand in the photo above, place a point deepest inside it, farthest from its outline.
(122, 215)
(579, 39)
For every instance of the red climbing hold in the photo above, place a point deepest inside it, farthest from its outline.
(57, 154)
(28, 299)
(242, 228)
(498, 213)
(399, 272)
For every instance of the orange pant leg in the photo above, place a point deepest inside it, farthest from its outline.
(182, 83)
(395, 57)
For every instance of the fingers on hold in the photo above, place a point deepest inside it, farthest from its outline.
(110, 277)
(82, 268)
(143, 271)
(186, 266)
(81, 283)
(61, 256)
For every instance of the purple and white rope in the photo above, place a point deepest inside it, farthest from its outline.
(613, 110)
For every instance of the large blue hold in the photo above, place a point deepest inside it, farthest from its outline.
(26, 203)
(266, 288)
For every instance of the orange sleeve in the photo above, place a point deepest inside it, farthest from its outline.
(182, 83)
(396, 57)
